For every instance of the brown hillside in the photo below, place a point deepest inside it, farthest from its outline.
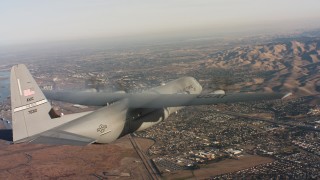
(295, 65)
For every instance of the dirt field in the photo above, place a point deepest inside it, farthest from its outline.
(112, 161)
(222, 167)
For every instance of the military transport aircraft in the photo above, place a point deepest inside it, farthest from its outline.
(34, 120)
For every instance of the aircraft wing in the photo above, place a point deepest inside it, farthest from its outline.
(149, 100)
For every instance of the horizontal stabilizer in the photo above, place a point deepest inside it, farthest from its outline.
(62, 138)
(5, 123)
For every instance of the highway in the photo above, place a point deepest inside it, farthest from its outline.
(153, 172)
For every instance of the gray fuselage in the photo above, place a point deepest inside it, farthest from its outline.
(116, 120)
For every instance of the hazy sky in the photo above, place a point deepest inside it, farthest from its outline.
(55, 20)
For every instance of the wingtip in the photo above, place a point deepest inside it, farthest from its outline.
(287, 95)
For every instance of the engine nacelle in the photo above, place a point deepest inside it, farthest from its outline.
(151, 119)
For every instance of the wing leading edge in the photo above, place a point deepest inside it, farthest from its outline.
(148, 100)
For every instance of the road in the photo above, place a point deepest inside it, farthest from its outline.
(153, 172)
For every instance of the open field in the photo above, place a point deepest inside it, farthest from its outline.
(112, 161)
(222, 167)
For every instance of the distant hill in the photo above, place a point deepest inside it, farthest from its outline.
(291, 66)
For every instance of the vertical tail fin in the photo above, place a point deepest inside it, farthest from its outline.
(30, 108)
